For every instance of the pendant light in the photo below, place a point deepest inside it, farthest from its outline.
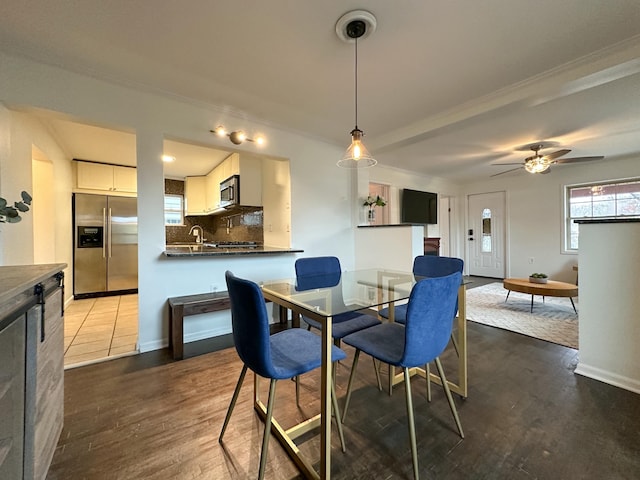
(351, 27)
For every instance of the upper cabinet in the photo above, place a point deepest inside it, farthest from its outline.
(106, 178)
(195, 195)
(250, 171)
(212, 190)
(202, 192)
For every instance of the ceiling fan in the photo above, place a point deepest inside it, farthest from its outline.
(541, 163)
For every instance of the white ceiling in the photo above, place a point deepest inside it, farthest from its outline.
(445, 88)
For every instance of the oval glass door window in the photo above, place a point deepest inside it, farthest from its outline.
(486, 230)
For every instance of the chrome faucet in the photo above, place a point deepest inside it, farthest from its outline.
(199, 233)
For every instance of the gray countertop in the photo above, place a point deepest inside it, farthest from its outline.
(206, 251)
(16, 279)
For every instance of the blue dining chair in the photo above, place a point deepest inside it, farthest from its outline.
(284, 355)
(419, 341)
(325, 272)
(426, 266)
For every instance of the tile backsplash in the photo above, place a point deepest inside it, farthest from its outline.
(242, 225)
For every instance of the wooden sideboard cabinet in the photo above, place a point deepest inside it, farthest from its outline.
(432, 246)
(31, 368)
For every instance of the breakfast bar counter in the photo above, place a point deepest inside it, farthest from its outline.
(220, 251)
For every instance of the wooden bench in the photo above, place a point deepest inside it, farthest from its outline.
(180, 307)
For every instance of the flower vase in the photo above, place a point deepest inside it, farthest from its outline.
(371, 216)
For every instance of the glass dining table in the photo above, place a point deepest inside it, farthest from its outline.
(366, 290)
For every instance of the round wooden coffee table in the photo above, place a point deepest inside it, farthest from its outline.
(549, 289)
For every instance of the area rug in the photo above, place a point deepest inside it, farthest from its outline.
(554, 320)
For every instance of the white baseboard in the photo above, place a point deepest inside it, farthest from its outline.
(631, 384)
(192, 337)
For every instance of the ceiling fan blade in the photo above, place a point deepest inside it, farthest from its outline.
(579, 159)
(501, 164)
(556, 154)
(506, 171)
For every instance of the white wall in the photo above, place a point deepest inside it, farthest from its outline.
(321, 194)
(609, 303)
(399, 179)
(26, 135)
(534, 213)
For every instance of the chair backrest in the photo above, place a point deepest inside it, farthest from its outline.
(431, 307)
(435, 266)
(250, 325)
(317, 272)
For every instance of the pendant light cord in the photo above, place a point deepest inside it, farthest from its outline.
(356, 79)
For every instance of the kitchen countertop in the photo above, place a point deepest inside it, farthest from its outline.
(16, 279)
(207, 251)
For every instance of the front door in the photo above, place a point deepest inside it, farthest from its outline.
(486, 234)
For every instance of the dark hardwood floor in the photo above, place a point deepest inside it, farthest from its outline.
(527, 416)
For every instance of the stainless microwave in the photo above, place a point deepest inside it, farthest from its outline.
(230, 191)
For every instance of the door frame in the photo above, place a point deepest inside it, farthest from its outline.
(505, 239)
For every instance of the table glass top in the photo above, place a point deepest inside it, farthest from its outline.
(332, 294)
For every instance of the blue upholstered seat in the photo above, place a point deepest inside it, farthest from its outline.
(421, 340)
(284, 355)
(426, 266)
(325, 272)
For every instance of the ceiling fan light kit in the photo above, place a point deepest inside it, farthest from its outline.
(537, 165)
(351, 26)
(542, 163)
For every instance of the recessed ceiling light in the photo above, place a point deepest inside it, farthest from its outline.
(168, 158)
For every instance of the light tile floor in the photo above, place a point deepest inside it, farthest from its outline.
(98, 328)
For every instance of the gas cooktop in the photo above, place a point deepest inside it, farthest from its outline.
(237, 244)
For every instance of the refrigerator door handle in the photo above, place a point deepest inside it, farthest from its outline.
(110, 232)
(104, 232)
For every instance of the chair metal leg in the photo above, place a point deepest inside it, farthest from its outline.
(455, 343)
(427, 370)
(297, 380)
(233, 401)
(376, 369)
(447, 392)
(349, 385)
(412, 427)
(267, 428)
(392, 374)
(336, 412)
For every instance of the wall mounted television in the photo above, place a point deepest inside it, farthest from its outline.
(418, 207)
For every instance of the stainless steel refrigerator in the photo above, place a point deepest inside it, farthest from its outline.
(105, 254)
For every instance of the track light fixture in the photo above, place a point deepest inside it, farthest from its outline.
(237, 136)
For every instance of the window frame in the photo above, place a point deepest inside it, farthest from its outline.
(173, 210)
(568, 219)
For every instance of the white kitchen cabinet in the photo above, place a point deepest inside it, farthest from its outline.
(103, 177)
(212, 190)
(232, 165)
(195, 195)
(250, 171)
(202, 192)
(125, 179)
